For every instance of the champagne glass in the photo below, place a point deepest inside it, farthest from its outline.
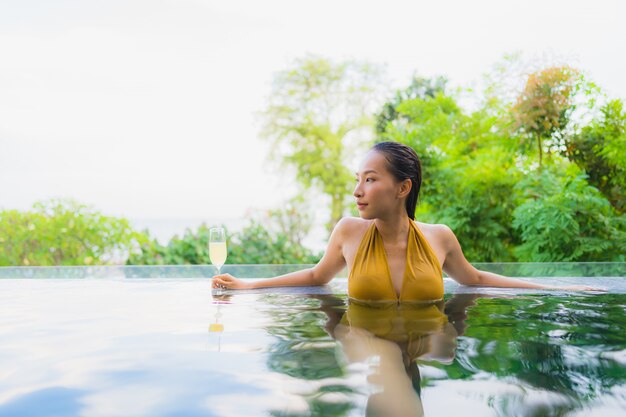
(217, 247)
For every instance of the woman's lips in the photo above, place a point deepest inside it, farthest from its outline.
(361, 205)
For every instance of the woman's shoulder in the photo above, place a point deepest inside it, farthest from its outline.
(430, 226)
(351, 221)
(350, 224)
(350, 230)
(438, 230)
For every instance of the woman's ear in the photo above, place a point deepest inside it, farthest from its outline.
(405, 188)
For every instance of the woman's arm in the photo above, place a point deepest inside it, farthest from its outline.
(331, 263)
(458, 268)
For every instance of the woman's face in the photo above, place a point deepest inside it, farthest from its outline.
(377, 191)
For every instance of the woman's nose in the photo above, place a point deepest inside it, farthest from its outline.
(357, 191)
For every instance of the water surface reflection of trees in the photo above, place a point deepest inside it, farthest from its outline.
(560, 346)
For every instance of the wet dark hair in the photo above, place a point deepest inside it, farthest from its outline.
(403, 163)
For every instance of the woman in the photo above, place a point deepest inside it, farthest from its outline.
(390, 256)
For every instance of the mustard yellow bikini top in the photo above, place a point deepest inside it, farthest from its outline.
(370, 278)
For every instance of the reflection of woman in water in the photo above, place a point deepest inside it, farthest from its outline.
(390, 255)
(393, 339)
(390, 340)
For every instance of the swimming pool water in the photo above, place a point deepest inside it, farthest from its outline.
(171, 347)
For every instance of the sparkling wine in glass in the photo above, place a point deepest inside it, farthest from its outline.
(217, 247)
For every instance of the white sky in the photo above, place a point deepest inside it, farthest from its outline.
(145, 108)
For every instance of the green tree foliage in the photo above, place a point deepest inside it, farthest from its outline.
(293, 220)
(564, 219)
(544, 107)
(420, 87)
(274, 239)
(479, 173)
(477, 204)
(314, 109)
(475, 173)
(600, 150)
(63, 232)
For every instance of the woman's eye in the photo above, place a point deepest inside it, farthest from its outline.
(369, 179)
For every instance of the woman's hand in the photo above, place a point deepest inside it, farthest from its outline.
(228, 281)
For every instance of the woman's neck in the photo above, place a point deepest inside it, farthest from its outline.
(393, 228)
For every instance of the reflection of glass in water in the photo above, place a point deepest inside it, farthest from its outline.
(218, 327)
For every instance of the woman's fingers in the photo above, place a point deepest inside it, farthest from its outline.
(218, 282)
(222, 280)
